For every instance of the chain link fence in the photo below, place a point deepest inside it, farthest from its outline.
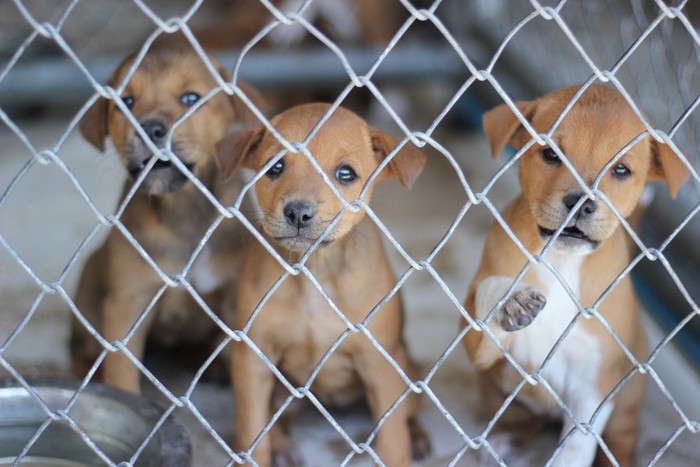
(499, 51)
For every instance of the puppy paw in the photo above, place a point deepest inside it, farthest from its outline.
(283, 452)
(420, 443)
(520, 309)
(286, 458)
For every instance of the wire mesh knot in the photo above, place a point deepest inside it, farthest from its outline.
(299, 393)
(645, 368)
(588, 313)
(694, 427)
(547, 12)
(45, 157)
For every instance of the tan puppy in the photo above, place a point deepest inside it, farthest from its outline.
(168, 216)
(590, 253)
(296, 326)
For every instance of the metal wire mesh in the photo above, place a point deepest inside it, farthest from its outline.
(674, 124)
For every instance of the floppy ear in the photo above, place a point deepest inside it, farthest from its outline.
(236, 150)
(666, 165)
(502, 127)
(242, 112)
(406, 164)
(93, 125)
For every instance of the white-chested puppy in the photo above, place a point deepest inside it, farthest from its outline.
(590, 253)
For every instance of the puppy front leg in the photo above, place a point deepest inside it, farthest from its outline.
(579, 449)
(120, 314)
(621, 431)
(84, 348)
(253, 385)
(521, 308)
(383, 385)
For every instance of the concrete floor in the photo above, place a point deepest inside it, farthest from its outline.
(44, 220)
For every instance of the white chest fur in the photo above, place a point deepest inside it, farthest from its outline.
(203, 276)
(572, 370)
(533, 344)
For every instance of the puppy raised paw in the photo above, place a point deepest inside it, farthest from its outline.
(520, 309)
(420, 442)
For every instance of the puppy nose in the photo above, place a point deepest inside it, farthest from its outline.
(589, 206)
(299, 214)
(155, 130)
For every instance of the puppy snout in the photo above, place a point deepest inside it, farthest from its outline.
(155, 130)
(587, 208)
(299, 214)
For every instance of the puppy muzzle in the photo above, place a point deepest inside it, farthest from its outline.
(575, 237)
(298, 227)
(163, 175)
(299, 240)
(569, 236)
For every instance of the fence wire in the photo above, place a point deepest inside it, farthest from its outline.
(647, 32)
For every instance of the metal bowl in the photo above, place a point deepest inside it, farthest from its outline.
(116, 422)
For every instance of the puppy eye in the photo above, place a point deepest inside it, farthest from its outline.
(345, 174)
(621, 171)
(188, 99)
(276, 169)
(128, 101)
(550, 156)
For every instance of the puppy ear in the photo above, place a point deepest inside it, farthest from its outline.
(242, 112)
(406, 164)
(236, 150)
(502, 126)
(666, 165)
(93, 125)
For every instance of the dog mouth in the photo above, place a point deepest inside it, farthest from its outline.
(568, 234)
(157, 166)
(300, 242)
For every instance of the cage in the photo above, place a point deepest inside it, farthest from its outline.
(422, 70)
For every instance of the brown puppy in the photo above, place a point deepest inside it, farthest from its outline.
(296, 326)
(589, 254)
(168, 215)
